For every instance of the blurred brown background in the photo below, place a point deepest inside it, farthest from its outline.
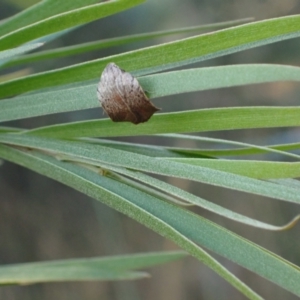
(43, 220)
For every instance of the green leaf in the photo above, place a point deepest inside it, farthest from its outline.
(149, 150)
(157, 85)
(177, 224)
(108, 191)
(166, 56)
(251, 168)
(186, 121)
(239, 151)
(292, 183)
(201, 79)
(42, 10)
(104, 268)
(99, 154)
(192, 199)
(248, 148)
(123, 40)
(65, 20)
(5, 129)
(8, 54)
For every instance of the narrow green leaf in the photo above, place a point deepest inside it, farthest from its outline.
(42, 10)
(149, 150)
(292, 183)
(132, 203)
(186, 121)
(238, 151)
(96, 268)
(170, 221)
(99, 154)
(8, 54)
(49, 102)
(91, 46)
(191, 80)
(4, 129)
(65, 20)
(190, 198)
(157, 85)
(248, 148)
(166, 56)
(251, 168)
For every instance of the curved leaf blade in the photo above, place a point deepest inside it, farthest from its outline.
(96, 268)
(7, 55)
(195, 200)
(158, 85)
(251, 168)
(91, 46)
(64, 21)
(248, 148)
(166, 56)
(180, 122)
(108, 191)
(163, 218)
(100, 154)
(40, 11)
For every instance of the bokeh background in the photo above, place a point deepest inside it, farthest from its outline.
(43, 220)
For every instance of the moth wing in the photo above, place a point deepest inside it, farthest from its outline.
(122, 97)
(111, 94)
(106, 84)
(138, 102)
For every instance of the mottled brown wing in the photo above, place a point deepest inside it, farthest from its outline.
(137, 101)
(111, 97)
(122, 97)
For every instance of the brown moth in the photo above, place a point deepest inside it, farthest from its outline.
(122, 97)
